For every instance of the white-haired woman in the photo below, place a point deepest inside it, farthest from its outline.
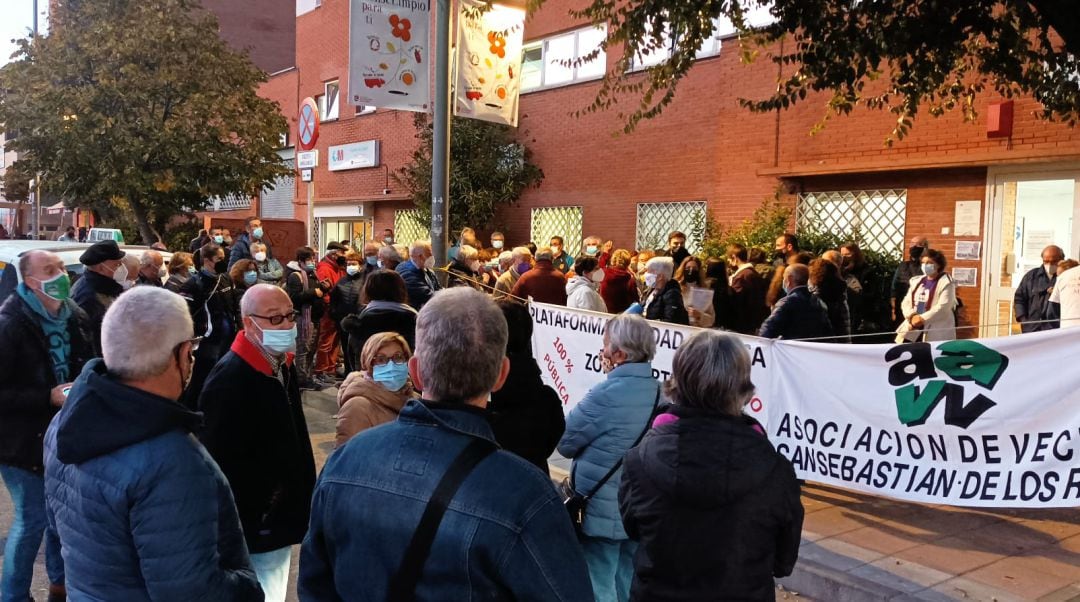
(465, 269)
(269, 269)
(713, 507)
(663, 299)
(609, 421)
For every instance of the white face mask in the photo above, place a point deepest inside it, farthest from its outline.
(429, 262)
(597, 276)
(260, 256)
(161, 272)
(650, 279)
(120, 275)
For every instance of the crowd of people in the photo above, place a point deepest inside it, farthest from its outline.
(152, 430)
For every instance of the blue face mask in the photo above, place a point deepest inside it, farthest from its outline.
(251, 278)
(257, 232)
(591, 250)
(928, 269)
(352, 269)
(310, 267)
(191, 270)
(372, 261)
(391, 375)
(219, 239)
(278, 341)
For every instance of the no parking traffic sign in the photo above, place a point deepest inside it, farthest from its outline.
(308, 124)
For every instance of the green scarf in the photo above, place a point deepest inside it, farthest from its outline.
(57, 336)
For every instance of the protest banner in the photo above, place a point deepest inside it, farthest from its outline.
(974, 422)
(388, 54)
(488, 65)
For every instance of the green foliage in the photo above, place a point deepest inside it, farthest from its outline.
(178, 235)
(488, 170)
(895, 55)
(16, 184)
(139, 104)
(759, 231)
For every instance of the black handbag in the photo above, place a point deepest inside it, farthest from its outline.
(576, 503)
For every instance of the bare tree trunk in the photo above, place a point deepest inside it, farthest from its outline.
(142, 221)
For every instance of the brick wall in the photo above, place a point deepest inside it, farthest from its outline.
(268, 32)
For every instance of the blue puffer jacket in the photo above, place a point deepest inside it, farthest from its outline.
(142, 511)
(599, 432)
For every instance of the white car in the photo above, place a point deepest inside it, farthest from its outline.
(11, 250)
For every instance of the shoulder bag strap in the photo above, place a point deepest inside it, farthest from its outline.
(618, 465)
(403, 583)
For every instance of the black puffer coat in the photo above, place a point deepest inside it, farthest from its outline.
(715, 509)
(526, 414)
(27, 379)
(667, 305)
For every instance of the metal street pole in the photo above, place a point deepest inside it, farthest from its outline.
(440, 151)
(311, 214)
(35, 207)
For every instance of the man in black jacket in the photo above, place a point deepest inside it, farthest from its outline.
(345, 298)
(306, 296)
(209, 294)
(255, 430)
(101, 283)
(1033, 295)
(907, 270)
(45, 338)
(799, 315)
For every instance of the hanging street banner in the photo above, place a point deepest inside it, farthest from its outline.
(488, 62)
(388, 54)
(972, 422)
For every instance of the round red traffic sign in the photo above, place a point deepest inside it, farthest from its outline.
(308, 124)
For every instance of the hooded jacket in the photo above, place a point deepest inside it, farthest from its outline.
(715, 509)
(527, 414)
(581, 294)
(27, 378)
(142, 510)
(364, 403)
(667, 305)
(543, 283)
(618, 290)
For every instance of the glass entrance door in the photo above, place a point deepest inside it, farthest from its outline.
(1028, 213)
(356, 231)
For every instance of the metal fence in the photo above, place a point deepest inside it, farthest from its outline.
(557, 221)
(876, 218)
(232, 202)
(655, 221)
(409, 227)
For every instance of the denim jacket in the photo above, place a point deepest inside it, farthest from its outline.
(505, 535)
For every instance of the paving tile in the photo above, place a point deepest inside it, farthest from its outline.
(926, 595)
(1016, 577)
(951, 555)
(1071, 544)
(1007, 539)
(944, 522)
(831, 521)
(887, 540)
(1051, 560)
(961, 588)
(1058, 529)
(842, 557)
(913, 571)
(1069, 593)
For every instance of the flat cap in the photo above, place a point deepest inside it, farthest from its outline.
(335, 246)
(101, 251)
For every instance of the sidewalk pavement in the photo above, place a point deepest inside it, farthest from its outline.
(862, 547)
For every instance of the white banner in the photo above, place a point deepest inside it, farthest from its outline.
(488, 79)
(388, 54)
(979, 422)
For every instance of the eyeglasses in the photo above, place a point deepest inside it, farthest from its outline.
(382, 360)
(275, 320)
(195, 341)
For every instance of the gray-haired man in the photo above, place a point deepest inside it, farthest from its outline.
(441, 454)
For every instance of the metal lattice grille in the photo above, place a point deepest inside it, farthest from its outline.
(557, 221)
(875, 218)
(655, 221)
(316, 235)
(408, 227)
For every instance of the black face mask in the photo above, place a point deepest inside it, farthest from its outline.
(221, 267)
(916, 252)
(690, 275)
(779, 255)
(341, 261)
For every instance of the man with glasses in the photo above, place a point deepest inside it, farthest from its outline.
(255, 430)
(44, 341)
(142, 511)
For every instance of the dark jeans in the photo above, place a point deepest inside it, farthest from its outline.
(27, 491)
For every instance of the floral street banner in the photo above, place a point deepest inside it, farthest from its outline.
(389, 54)
(487, 81)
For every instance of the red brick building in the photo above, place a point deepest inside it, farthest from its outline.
(1016, 192)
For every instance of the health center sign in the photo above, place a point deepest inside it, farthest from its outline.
(979, 422)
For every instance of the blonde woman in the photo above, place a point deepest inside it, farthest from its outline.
(376, 393)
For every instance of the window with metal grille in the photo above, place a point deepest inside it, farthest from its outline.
(408, 227)
(557, 221)
(875, 218)
(276, 201)
(655, 221)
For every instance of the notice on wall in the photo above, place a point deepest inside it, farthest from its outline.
(1034, 243)
(388, 54)
(968, 218)
(966, 423)
(965, 276)
(967, 250)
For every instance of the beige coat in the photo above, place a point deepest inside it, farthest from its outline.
(364, 403)
(506, 282)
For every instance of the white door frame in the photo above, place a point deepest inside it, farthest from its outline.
(996, 177)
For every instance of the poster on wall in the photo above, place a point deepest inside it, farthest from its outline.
(488, 82)
(965, 276)
(968, 250)
(968, 218)
(388, 54)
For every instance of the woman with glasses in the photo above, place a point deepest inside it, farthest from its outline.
(376, 393)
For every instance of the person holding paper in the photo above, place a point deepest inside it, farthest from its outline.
(928, 308)
(697, 298)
